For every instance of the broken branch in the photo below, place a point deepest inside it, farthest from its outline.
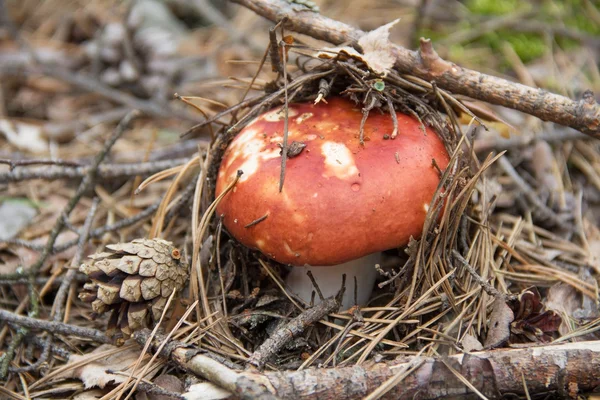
(583, 115)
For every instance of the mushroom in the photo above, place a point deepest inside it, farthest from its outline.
(342, 202)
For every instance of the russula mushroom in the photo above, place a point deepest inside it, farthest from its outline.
(342, 203)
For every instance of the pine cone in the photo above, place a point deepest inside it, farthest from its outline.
(134, 281)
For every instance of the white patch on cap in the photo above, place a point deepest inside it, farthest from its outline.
(287, 248)
(303, 117)
(250, 148)
(253, 162)
(426, 207)
(339, 161)
(245, 145)
(278, 114)
(260, 243)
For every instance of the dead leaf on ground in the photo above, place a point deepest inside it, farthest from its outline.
(96, 373)
(499, 326)
(470, 343)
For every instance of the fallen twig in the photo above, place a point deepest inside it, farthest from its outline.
(582, 115)
(245, 385)
(498, 143)
(538, 206)
(489, 289)
(57, 328)
(104, 171)
(293, 328)
(562, 370)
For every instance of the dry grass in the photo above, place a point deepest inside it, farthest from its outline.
(526, 218)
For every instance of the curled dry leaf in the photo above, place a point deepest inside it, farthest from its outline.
(97, 373)
(499, 326)
(377, 49)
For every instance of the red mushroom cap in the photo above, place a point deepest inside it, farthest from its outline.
(340, 200)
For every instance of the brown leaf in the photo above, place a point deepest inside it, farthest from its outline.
(499, 326)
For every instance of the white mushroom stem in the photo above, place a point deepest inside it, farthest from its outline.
(329, 280)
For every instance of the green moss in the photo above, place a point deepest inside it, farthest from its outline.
(529, 46)
(492, 7)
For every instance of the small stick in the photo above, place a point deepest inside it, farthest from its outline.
(365, 112)
(276, 64)
(293, 328)
(284, 146)
(104, 171)
(257, 221)
(20, 163)
(246, 386)
(324, 88)
(57, 328)
(489, 289)
(315, 285)
(435, 165)
(394, 116)
(544, 211)
(61, 295)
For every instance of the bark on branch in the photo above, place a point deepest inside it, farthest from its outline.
(564, 370)
(583, 115)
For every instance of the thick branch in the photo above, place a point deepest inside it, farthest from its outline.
(583, 115)
(563, 370)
